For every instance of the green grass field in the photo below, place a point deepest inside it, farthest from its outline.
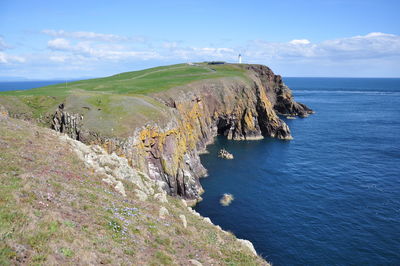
(115, 105)
(146, 81)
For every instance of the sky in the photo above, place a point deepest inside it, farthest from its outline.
(79, 39)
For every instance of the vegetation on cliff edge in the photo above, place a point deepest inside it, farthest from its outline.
(105, 102)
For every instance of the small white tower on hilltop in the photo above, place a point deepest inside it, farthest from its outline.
(240, 58)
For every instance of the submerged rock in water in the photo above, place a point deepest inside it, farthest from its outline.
(225, 154)
(226, 199)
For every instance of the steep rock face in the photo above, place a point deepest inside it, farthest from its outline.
(278, 93)
(233, 107)
(67, 123)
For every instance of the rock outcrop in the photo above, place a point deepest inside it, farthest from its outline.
(248, 244)
(3, 111)
(112, 169)
(226, 199)
(225, 154)
(235, 107)
(279, 94)
(67, 123)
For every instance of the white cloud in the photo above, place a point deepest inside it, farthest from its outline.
(178, 52)
(9, 59)
(85, 35)
(90, 51)
(275, 50)
(58, 58)
(377, 34)
(95, 51)
(362, 47)
(3, 44)
(372, 45)
(212, 52)
(170, 45)
(209, 50)
(6, 58)
(59, 44)
(301, 41)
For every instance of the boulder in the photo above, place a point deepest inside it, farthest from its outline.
(183, 219)
(248, 244)
(163, 212)
(226, 199)
(225, 154)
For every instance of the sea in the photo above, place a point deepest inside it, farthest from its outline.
(26, 85)
(330, 196)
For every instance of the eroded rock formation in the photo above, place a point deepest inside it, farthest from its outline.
(67, 123)
(225, 154)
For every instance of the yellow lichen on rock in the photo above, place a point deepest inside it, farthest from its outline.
(248, 120)
(184, 138)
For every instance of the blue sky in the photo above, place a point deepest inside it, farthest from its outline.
(74, 39)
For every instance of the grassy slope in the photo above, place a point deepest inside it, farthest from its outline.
(117, 96)
(140, 82)
(54, 210)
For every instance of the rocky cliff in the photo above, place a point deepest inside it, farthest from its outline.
(67, 203)
(238, 108)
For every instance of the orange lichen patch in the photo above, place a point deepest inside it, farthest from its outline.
(272, 117)
(185, 137)
(248, 120)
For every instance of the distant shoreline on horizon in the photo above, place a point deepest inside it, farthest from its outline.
(10, 85)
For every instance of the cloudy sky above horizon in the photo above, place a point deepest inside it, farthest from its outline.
(75, 39)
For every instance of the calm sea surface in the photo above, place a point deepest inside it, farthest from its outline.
(26, 85)
(331, 196)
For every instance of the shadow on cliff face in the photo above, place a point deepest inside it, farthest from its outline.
(224, 126)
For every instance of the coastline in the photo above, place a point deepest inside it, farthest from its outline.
(180, 122)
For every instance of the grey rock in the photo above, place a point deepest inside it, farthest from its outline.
(163, 212)
(183, 219)
(248, 245)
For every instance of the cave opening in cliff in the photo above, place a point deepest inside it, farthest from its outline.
(223, 126)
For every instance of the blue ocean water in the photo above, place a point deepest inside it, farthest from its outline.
(331, 196)
(26, 85)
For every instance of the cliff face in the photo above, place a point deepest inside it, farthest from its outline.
(236, 108)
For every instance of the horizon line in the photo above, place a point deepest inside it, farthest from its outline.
(341, 77)
(23, 79)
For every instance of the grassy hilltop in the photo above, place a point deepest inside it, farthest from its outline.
(146, 81)
(105, 101)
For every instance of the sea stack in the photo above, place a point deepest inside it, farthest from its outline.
(225, 154)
